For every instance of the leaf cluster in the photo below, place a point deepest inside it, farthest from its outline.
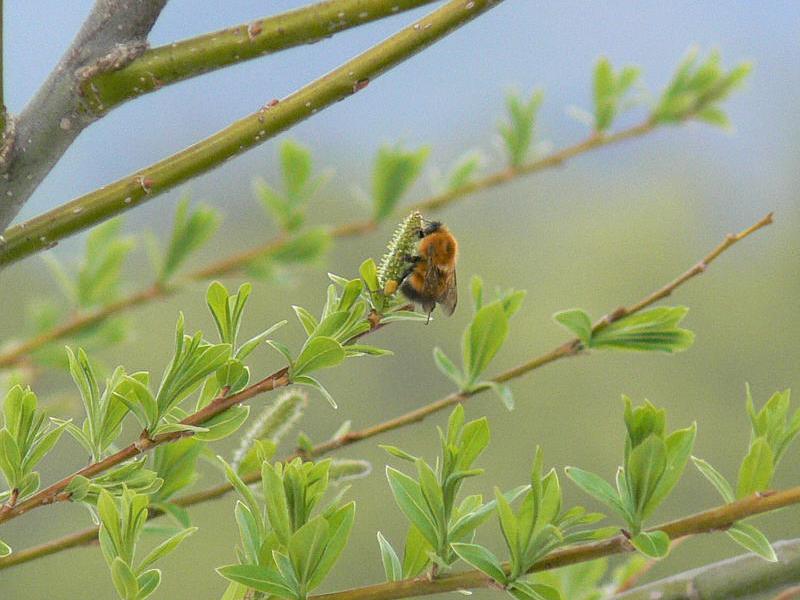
(653, 463)
(122, 521)
(288, 545)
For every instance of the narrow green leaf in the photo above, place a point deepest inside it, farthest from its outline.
(446, 366)
(165, 548)
(309, 381)
(416, 554)
(598, 488)
(482, 559)
(5, 549)
(756, 470)
(391, 563)
(369, 273)
(650, 330)
(306, 319)
(124, 581)
(306, 546)
(319, 353)
(645, 465)
(410, 500)
(578, 322)
(753, 540)
(148, 583)
(483, 338)
(653, 544)
(716, 478)
(340, 523)
(262, 579)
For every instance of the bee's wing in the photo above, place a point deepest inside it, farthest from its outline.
(449, 298)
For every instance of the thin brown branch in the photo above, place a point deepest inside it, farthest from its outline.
(235, 262)
(709, 521)
(569, 348)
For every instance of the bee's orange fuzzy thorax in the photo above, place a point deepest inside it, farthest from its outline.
(442, 248)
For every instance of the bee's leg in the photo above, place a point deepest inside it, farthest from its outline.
(413, 260)
(428, 308)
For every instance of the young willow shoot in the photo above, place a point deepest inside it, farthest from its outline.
(287, 547)
(653, 463)
(772, 432)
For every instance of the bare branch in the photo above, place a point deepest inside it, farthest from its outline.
(113, 34)
(47, 229)
(195, 56)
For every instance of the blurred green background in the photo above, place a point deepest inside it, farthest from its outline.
(603, 230)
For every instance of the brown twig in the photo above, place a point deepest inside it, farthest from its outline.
(239, 260)
(569, 348)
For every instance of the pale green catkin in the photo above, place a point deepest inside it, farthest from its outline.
(273, 423)
(348, 469)
(403, 244)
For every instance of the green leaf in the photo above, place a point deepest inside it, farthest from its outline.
(340, 523)
(296, 166)
(10, 459)
(645, 465)
(369, 273)
(306, 319)
(223, 424)
(394, 172)
(503, 392)
(446, 366)
(517, 132)
(283, 349)
(309, 381)
(5, 549)
(395, 451)
(476, 289)
(483, 338)
(463, 171)
(598, 488)
(408, 495)
(275, 500)
(319, 353)
(650, 330)
(189, 233)
(716, 478)
(391, 563)
(306, 546)
(303, 248)
(165, 547)
(509, 525)
(604, 94)
(753, 540)
(679, 448)
(416, 555)
(522, 590)
(99, 274)
(756, 470)
(124, 581)
(653, 544)
(578, 322)
(482, 559)
(262, 579)
(148, 583)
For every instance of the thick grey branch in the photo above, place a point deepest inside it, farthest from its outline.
(113, 34)
(745, 577)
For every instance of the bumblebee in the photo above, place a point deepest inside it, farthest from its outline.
(431, 277)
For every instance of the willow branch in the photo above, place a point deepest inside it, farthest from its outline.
(172, 63)
(233, 263)
(569, 348)
(709, 521)
(741, 577)
(114, 33)
(244, 134)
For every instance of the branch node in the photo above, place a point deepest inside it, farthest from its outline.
(121, 56)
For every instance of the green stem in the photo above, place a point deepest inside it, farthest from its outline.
(47, 229)
(569, 348)
(188, 58)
